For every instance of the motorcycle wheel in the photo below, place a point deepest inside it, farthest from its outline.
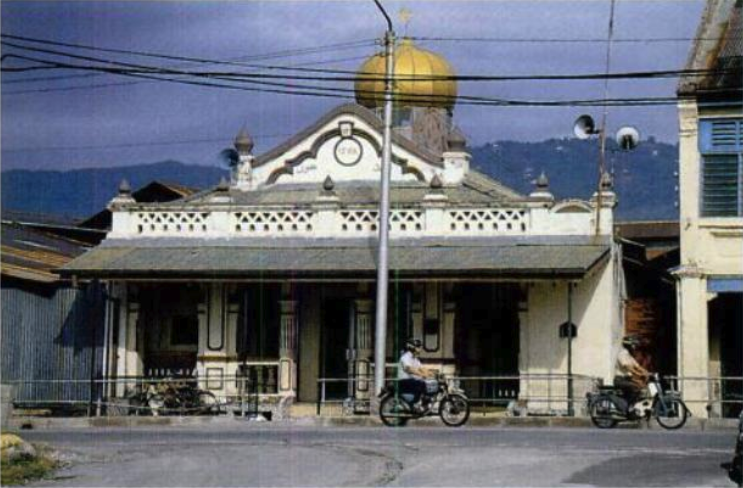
(208, 403)
(673, 415)
(391, 409)
(454, 410)
(601, 413)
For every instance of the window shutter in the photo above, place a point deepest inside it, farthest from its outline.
(720, 186)
(720, 135)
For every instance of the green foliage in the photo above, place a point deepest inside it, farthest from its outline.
(25, 470)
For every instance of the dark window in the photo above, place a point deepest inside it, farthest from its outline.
(721, 147)
(259, 327)
(184, 330)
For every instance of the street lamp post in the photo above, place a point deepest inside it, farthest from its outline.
(380, 336)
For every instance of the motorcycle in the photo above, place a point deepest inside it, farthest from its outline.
(182, 397)
(608, 406)
(441, 398)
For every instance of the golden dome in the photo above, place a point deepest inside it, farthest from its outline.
(410, 62)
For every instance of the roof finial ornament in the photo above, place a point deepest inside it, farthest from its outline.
(123, 198)
(328, 184)
(455, 141)
(327, 194)
(125, 188)
(243, 142)
(436, 183)
(543, 182)
(607, 182)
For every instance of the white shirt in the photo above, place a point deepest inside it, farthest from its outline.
(625, 361)
(410, 361)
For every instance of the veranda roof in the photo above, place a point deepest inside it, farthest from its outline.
(171, 258)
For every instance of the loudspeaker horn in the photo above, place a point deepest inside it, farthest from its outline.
(628, 138)
(584, 127)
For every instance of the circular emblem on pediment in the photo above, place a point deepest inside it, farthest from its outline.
(348, 151)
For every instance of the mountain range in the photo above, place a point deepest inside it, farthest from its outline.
(645, 179)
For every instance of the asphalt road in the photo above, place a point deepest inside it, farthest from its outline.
(243, 454)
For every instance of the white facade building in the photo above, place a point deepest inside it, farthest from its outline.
(274, 272)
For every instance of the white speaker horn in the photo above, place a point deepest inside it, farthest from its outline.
(628, 138)
(584, 127)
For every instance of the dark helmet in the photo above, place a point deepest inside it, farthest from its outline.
(413, 344)
(630, 341)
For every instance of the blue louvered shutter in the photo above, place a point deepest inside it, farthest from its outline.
(720, 136)
(721, 147)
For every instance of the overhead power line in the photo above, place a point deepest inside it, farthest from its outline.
(90, 75)
(139, 68)
(355, 75)
(336, 92)
(241, 61)
(508, 40)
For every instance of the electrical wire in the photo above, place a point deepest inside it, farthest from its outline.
(238, 62)
(357, 76)
(89, 75)
(336, 92)
(506, 40)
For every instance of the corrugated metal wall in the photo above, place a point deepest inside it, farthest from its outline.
(48, 334)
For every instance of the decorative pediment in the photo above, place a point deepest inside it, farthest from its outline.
(347, 146)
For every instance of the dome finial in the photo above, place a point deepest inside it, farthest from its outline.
(543, 182)
(607, 182)
(243, 142)
(328, 184)
(125, 188)
(436, 183)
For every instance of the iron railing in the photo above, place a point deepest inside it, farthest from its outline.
(722, 396)
(543, 393)
(124, 395)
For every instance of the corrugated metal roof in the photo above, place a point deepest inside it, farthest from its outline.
(32, 255)
(511, 257)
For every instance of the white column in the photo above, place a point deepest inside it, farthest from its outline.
(364, 345)
(693, 341)
(128, 361)
(288, 348)
(212, 359)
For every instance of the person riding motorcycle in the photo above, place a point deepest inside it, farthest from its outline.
(411, 374)
(629, 376)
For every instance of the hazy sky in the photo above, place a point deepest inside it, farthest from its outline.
(132, 123)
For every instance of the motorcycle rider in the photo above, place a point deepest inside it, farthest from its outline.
(629, 375)
(411, 374)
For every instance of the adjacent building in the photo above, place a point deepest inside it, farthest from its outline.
(710, 275)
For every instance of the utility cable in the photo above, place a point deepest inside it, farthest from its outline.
(357, 76)
(334, 92)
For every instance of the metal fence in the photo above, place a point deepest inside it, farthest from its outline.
(139, 395)
(722, 396)
(551, 394)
